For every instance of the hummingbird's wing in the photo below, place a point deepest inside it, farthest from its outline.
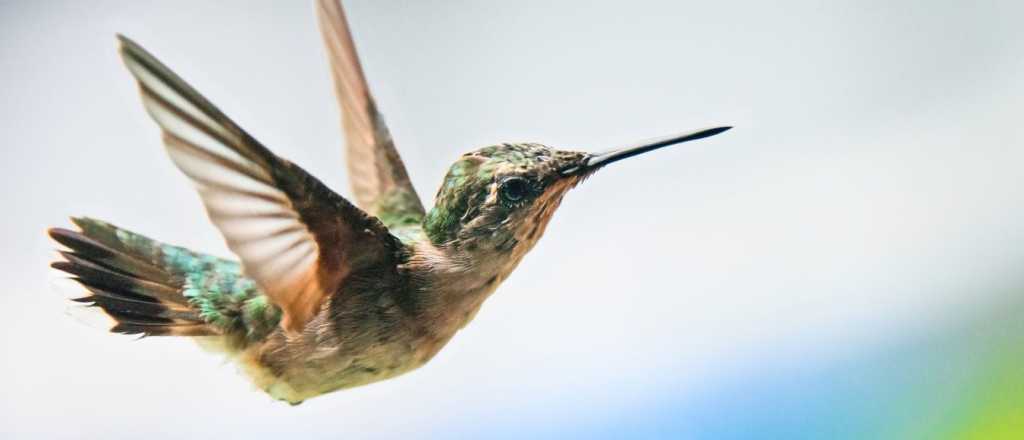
(296, 238)
(378, 177)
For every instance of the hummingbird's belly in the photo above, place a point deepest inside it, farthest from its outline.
(339, 352)
(321, 371)
(303, 383)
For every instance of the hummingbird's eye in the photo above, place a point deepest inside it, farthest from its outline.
(514, 189)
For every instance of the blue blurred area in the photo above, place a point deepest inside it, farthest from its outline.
(914, 386)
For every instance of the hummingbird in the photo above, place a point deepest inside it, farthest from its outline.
(325, 294)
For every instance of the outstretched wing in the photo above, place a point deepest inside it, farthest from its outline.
(378, 177)
(298, 239)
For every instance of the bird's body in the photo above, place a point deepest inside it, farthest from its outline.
(327, 295)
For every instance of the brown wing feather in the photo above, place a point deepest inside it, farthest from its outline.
(379, 180)
(298, 239)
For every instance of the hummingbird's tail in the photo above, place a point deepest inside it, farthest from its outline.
(155, 289)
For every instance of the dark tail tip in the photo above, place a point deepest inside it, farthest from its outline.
(141, 298)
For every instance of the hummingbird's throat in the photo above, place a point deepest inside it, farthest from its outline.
(466, 272)
(525, 230)
(535, 222)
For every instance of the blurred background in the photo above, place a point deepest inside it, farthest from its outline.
(845, 263)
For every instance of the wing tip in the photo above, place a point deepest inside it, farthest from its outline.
(329, 5)
(137, 57)
(127, 46)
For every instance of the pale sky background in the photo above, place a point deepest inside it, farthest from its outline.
(871, 190)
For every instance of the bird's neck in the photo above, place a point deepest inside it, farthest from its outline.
(454, 281)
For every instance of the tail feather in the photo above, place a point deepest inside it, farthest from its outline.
(92, 274)
(127, 283)
(156, 289)
(115, 257)
(122, 305)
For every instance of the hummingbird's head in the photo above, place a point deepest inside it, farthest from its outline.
(498, 199)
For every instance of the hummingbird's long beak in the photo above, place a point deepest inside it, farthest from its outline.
(594, 161)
